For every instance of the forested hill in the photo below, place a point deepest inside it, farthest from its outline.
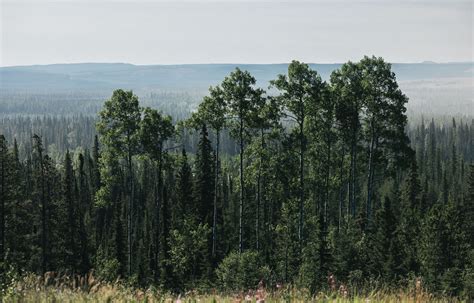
(195, 77)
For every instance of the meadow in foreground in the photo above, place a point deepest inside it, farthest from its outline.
(31, 288)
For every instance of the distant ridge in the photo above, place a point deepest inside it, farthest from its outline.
(105, 76)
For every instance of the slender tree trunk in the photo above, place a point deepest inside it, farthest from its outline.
(47, 218)
(301, 191)
(328, 172)
(259, 198)
(265, 218)
(130, 210)
(43, 219)
(352, 182)
(72, 233)
(216, 189)
(341, 189)
(286, 263)
(158, 198)
(348, 205)
(370, 176)
(83, 242)
(241, 206)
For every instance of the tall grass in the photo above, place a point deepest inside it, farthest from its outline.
(31, 288)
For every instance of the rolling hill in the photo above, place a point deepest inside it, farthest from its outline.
(106, 76)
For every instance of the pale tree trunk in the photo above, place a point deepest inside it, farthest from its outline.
(370, 176)
(328, 173)
(341, 188)
(259, 191)
(352, 182)
(216, 189)
(158, 197)
(241, 206)
(130, 202)
(301, 192)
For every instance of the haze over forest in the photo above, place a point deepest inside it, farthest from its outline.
(433, 88)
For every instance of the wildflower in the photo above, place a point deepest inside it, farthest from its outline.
(332, 282)
(418, 284)
(343, 290)
(260, 295)
(248, 297)
(140, 295)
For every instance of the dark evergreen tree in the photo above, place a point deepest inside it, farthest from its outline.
(4, 191)
(204, 184)
(69, 197)
(185, 200)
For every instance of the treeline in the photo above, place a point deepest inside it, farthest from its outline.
(58, 133)
(324, 183)
(82, 103)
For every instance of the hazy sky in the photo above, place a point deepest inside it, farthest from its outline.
(239, 31)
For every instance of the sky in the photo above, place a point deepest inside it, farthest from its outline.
(233, 31)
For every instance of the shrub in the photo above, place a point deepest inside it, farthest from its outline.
(107, 269)
(241, 271)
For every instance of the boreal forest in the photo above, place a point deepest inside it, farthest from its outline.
(321, 185)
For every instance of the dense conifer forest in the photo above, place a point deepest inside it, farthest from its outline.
(305, 183)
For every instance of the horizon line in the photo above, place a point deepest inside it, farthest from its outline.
(222, 63)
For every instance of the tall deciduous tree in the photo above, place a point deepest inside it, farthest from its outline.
(347, 92)
(118, 127)
(242, 99)
(384, 120)
(300, 92)
(155, 130)
(265, 119)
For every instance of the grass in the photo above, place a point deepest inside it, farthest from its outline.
(31, 288)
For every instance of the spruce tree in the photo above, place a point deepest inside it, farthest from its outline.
(185, 199)
(4, 161)
(69, 184)
(83, 209)
(204, 184)
(212, 111)
(468, 208)
(40, 195)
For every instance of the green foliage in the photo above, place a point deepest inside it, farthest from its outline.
(186, 204)
(204, 181)
(211, 111)
(119, 122)
(301, 89)
(325, 191)
(314, 264)
(155, 129)
(107, 268)
(189, 254)
(444, 250)
(242, 271)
